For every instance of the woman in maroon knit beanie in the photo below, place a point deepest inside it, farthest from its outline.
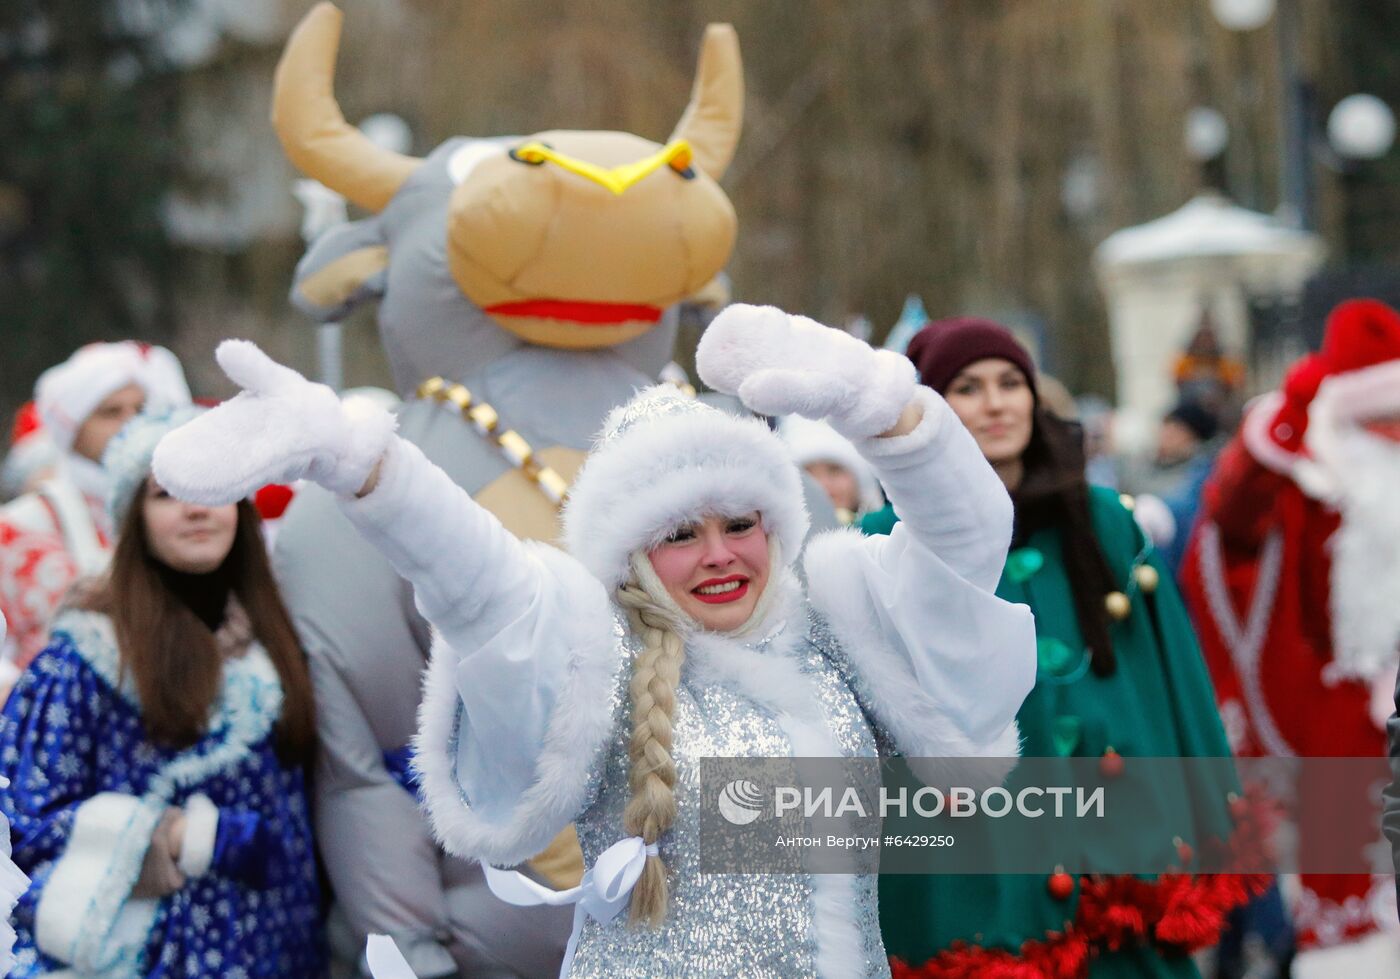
(1038, 454)
(1119, 675)
(943, 348)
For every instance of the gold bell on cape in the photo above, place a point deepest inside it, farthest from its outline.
(1117, 605)
(1147, 578)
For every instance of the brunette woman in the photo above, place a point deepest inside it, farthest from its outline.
(1119, 675)
(156, 754)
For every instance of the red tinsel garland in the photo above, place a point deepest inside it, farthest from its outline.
(1178, 912)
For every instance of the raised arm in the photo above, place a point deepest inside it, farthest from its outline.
(946, 494)
(938, 660)
(1264, 456)
(517, 623)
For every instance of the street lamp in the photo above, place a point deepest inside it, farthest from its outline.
(1242, 15)
(1361, 127)
(1207, 133)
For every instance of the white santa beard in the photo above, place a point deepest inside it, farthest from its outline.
(1365, 582)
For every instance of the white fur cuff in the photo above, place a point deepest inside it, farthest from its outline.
(1369, 392)
(85, 916)
(934, 414)
(371, 431)
(587, 658)
(201, 829)
(885, 385)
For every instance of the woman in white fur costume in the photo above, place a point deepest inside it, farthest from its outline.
(586, 687)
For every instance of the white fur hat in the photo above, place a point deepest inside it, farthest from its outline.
(663, 460)
(815, 441)
(127, 458)
(67, 393)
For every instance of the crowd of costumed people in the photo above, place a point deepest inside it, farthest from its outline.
(987, 601)
(421, 683)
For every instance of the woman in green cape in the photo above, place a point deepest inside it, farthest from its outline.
(1120, 675)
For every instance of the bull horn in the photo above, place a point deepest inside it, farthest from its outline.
(314, 134)
(713, 118)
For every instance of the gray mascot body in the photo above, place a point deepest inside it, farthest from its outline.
(523, 286)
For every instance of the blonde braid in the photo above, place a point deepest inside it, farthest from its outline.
(656, 672)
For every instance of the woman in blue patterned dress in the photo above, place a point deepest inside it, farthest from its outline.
(156, 751)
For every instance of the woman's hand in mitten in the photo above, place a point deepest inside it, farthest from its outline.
(281, 428)
(779, 364)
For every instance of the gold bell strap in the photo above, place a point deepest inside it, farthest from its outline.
(512, 444)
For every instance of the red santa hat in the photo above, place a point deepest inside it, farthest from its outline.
(1356, 375)
(27, 423)
(67, 393)
(31, 450)
(1362, 351)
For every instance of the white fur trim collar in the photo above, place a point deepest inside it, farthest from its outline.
(764, 666)
(249, 701)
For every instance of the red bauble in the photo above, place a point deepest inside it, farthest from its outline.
(1184, 853)
(1111, 764)
(1060, 885)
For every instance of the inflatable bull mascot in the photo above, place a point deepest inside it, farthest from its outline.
(523, 284)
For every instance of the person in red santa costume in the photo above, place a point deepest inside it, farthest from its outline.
(1291, 576)
(60, 531)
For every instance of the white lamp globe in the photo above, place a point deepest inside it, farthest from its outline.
(1361, 127)
(1242, 15)
(1207, 133)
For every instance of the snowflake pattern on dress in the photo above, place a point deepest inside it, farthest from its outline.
(68, 734)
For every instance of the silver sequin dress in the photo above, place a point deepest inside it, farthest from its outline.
(754, 925)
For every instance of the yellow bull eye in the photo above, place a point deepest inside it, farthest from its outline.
(619, 179)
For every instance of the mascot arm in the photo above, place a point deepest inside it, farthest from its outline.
(365, 645)
(346, 266)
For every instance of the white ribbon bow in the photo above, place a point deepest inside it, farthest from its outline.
(602, 893)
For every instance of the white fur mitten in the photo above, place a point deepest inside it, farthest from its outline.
(281, 428)
(789, 365)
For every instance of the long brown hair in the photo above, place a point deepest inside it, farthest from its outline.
(172, 655)
(1054, 493)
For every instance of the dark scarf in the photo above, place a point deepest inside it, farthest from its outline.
(206, 595)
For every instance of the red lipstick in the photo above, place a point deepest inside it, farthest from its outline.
(722, 597)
